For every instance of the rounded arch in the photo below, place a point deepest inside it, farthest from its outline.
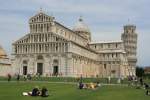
(55, 61)
(25, 62)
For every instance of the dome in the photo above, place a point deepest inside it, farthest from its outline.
(2, 53)
(80, 26)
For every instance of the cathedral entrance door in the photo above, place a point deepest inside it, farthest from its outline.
(40, 68)
(24, 70)
(55, 70)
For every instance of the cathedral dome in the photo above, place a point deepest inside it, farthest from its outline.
(2, 53)
(80, 26)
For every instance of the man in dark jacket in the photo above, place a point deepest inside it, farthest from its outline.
(44, 92)
(35, 91)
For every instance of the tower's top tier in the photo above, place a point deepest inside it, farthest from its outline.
(129, 28)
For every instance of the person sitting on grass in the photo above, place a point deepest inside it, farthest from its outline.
(81, 85)
(98, 84)
(35, 91)
(44, 92)
(85, 86)
(91, 85)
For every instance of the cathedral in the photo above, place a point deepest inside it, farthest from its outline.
(52, 49)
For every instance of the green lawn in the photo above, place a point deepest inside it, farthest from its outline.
(61, 91)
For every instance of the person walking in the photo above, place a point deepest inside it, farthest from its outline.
(18, 77)
(9, 77)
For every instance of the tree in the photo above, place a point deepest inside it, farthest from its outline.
(139, 71)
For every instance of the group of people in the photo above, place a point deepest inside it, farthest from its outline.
(27, 77)
(147, 88)
(138, 82)
(18, 77)
(37, 92)
(89, 85)
(133, 80)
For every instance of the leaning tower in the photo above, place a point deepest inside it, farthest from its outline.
(129, 38)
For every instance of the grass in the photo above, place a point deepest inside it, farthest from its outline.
(61, 91)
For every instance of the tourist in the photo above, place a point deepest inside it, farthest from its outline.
(135, 81)
(85, 86)
(18, 77)
(109, 79)
(9, 77)
(81, 85)
(98, 84)
(25, 77)
(35, 91)
(119, 80)
(81, 79)
(122, 79)
(44, 92)
(129, 80)
(29, 77)
(92, 85)
(147, 88)
(141, 81)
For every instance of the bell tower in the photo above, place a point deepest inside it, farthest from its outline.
(129, 37)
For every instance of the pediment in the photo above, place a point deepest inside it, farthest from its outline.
(41, 17)
(24, 39)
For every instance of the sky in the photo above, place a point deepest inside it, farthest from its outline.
(105, 18)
